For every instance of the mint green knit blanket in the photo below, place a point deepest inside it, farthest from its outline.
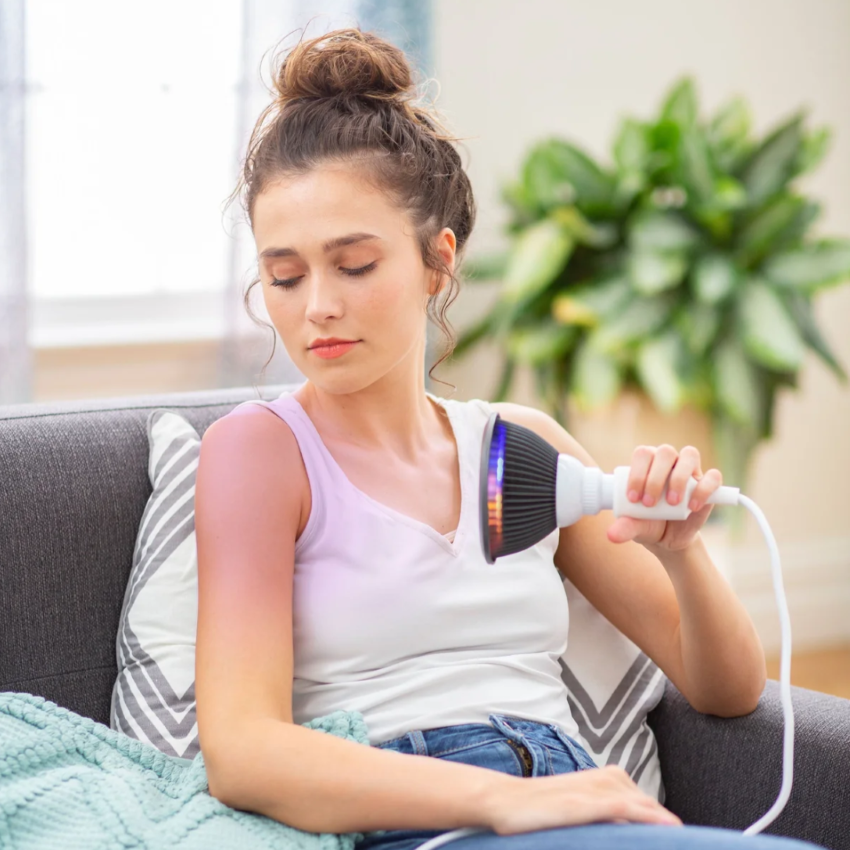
(67, 782)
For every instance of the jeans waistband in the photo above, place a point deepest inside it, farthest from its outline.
(520, 730)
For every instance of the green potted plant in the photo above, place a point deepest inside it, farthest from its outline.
(685, 270)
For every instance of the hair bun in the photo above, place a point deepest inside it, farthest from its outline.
(346, 62)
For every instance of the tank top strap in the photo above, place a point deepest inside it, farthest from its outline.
(469, 419)
(326, 480)
(321, 469)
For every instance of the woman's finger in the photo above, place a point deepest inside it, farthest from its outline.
(659, 472)
(707, 485)
(624, 528)
(687, 467)
(641, 461)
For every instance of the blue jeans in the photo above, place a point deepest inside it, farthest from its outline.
(522, 747)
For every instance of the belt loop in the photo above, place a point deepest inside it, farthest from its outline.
(417, 741)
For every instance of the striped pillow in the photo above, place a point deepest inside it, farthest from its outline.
(153, 698)
(612, 686)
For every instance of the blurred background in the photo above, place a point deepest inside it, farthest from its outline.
(661, 252)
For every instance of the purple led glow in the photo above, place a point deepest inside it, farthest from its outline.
(495, 478)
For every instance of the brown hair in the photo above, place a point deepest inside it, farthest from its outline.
(346, 96)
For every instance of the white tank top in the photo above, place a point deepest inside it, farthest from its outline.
(410, 627)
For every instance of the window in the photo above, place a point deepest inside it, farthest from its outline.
(131, 152)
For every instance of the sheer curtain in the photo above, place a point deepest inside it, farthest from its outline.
(15, 355)
(121, 133)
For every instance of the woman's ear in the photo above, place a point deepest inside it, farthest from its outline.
(446, 245)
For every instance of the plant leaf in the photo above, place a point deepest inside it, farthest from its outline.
(555, 164)
(657, 366)
(716, 221)
(522, 202)
(728, 134)
(545, 180)
(658, 230)
(729, 194)
(539, 256)
(769, 227)
(651, 271)
(485, 267)
(640, 317)
(814, 148)
(772, 163)
(665, 136)
(583, 231)
(680, 105)
(696, 167)
(714, 211)
(769, 334)
(540, 343)
(596, 378)
(800, 309)
(740, 392)
(811, 267)
(631, 146)
(628, 185)
(730, 123)
(715, 276)
(588, 303)
(794, 232)
(698, 324)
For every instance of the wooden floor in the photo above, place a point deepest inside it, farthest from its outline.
(826, 670)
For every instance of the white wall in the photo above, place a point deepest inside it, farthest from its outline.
(513, 72)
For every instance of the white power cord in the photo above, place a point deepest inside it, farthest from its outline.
(784, 672)
(448, 836)
(608, 491)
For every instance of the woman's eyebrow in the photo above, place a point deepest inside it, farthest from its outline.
(336, 242)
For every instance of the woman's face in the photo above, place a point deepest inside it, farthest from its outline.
(373, 290)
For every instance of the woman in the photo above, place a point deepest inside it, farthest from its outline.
(339, 562)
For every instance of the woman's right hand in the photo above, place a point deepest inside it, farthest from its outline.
(584, 796)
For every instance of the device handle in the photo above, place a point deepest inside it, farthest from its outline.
(662, 509)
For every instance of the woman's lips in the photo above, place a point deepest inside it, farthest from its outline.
(327, 352)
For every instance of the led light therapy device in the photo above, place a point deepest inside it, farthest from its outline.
(527, 489)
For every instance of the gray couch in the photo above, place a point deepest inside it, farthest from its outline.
(73, 485)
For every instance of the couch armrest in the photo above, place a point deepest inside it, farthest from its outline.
(727, 771)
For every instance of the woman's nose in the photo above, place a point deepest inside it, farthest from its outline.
(324, 299)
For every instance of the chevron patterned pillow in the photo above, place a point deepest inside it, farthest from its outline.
(153, 698)
(612, 686)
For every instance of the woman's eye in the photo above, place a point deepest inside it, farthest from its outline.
(290, 283)
(362, 270)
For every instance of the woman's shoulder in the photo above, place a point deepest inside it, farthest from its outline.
(522, 414)
(248, 429)
(543, 424)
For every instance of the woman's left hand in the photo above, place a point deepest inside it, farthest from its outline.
(650, 469)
